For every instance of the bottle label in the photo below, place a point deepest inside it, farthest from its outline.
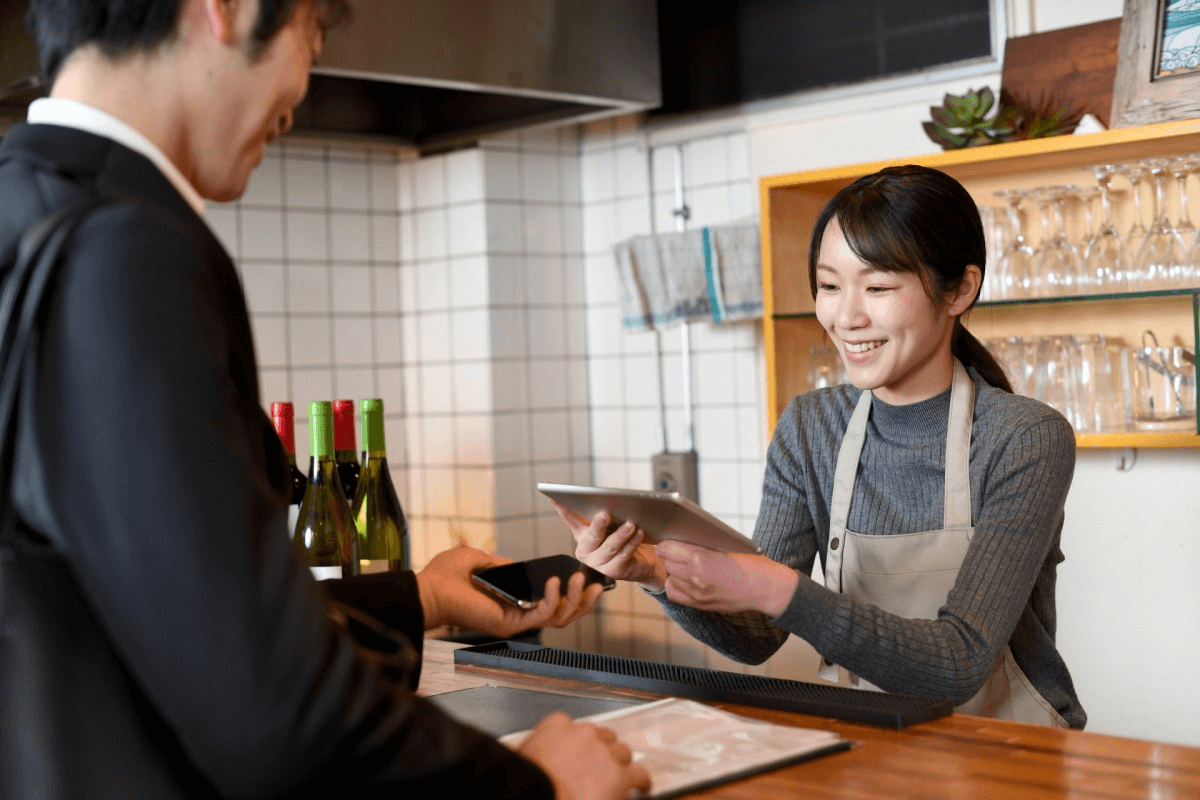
(325, 573)
(367, 566)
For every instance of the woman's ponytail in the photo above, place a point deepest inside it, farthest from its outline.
(971, 352)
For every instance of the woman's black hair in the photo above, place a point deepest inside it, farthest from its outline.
(919, 220)
(120, 27)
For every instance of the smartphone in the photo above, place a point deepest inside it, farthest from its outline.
(523, 583)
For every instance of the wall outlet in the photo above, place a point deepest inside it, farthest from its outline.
(676, 472)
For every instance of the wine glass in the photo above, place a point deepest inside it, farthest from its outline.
(1057, 267)
(1160, 259)
(1106, 263)
(1135, 173)
(1087, 197)
(1180, 169)
(1015, 266)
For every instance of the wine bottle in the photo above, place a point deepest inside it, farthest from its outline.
(378, 516)
(345, 453)
(325, 533)
(284, 415)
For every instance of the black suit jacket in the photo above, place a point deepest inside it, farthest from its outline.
(158, 637)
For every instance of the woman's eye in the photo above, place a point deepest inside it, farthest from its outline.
(826, 287)
(878, 289)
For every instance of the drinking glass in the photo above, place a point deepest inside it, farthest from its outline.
(825, 367)
(1135, 173)
(995, 233)
(1015, 265)
(1056, 368)
(1160, 259)
(1057, 267)
(1180, 169)
(1106, 264)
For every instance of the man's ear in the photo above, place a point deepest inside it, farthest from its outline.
(222, 18)
(968, 288)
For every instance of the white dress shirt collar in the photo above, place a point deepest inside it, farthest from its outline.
(73, 114)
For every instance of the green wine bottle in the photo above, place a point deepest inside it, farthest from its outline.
(324, 529)
(382, 529)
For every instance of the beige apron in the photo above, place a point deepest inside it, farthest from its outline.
(911, 574)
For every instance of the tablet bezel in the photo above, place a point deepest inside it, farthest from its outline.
(662, 515)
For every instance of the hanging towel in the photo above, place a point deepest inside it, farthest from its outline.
(712, 273)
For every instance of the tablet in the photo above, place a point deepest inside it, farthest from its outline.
(662, 515)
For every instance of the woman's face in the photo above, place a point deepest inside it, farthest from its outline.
(892, 338)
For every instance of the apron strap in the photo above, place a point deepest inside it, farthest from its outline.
(843, 490)
(956, 507)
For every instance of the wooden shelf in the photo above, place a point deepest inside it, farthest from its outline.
(1140, 439)
(791, 202)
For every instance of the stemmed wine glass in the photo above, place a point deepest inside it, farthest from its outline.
(1106, 262)
(1135, 173)
(1160, 259)
(1181, 168)
(1016, 261)
(1057, 267)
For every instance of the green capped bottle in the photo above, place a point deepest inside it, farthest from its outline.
(324, 529)
(378, 516)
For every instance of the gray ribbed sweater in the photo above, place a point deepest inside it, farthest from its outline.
(1022, 462)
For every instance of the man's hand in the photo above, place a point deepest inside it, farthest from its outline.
(726, 582)
(585, 762)
(622, 554)
(449, 598)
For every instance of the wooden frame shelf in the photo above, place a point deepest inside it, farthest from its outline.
(791, 202)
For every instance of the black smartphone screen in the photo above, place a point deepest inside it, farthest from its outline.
(524, 582)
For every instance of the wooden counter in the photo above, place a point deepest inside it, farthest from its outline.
(954, 757)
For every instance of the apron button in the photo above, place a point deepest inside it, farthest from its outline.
(833, 545)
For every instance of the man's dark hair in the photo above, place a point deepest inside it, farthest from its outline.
(121, 27)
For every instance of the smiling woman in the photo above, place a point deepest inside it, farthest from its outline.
(932, 495)
(896, 259)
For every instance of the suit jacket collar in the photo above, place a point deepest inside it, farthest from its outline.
(118, 173)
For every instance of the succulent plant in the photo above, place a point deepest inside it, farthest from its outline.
(968, 120)
(1034, 120)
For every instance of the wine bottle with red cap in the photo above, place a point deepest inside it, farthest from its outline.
(378, 516)
(345, 452)
(284, 417)
(325, 534)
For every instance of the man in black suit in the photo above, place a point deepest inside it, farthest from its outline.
(158, 637)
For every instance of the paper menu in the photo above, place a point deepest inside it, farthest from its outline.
(687, 745)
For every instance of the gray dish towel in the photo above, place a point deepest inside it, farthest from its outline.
(710, 273)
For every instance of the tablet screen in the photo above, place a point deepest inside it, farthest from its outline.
(662, 515)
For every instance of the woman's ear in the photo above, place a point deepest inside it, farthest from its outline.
(968, 289)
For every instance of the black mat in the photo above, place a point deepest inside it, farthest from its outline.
(821, 700)
(498, 710)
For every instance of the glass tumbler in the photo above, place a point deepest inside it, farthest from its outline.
(1163, 388)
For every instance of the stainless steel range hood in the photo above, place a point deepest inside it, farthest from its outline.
(438, 74)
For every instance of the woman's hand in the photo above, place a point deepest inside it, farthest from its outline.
(622, 554)
(448, 597)
(726, 582)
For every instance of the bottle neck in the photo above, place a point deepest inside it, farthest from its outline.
(373, 442)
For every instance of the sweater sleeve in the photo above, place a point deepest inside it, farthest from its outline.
(785, 530)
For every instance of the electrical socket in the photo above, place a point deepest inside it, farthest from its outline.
(676, 472)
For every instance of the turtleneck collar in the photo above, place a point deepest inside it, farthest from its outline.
(924, 420)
